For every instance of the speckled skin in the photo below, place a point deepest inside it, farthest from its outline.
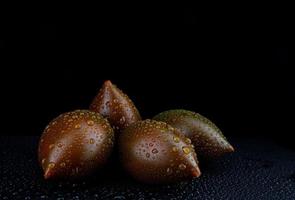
(75, 144)
(205, 135)
(155, 152)
(116, 106)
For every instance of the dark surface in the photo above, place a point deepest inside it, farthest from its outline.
(259, 169)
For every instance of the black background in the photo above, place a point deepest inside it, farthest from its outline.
(226, 64)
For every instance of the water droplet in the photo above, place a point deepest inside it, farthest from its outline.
(51, 146)
(51, 165)
(77, 126)
(147, 155)
(63, 164)
(90, 123)
(186, 150)
(187, 140)
(151, 144)
(170, 128)
(174, 149)
(110, 141)
(169, 171)
(59, 145)
(176, 139)
(119, 197)
(91, 141)
(182, 166)
(155, 151)
(122, 120)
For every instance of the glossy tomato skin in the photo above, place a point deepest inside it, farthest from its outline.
(205, 135)
(75, 145)
(116, 106)
(154, 152)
